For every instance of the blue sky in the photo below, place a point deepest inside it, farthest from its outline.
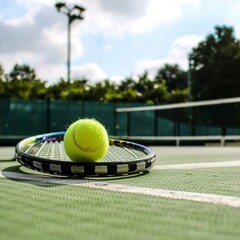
(117, 39)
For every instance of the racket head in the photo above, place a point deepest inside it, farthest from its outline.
(45, 153)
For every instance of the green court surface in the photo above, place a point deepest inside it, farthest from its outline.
(191, 193)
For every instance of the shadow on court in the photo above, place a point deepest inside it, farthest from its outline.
(15, 173)
(19, 173)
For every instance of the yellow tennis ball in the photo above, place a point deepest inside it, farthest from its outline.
(86, 140)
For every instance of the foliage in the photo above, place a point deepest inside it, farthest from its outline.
(174, 76)
(215, 65)
(2, 85)
(178, 95)
(214, 73)
(23, 83)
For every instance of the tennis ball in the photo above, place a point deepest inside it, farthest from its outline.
(86, 140)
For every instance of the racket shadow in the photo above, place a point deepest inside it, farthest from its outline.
(19, 173)
(16, 174)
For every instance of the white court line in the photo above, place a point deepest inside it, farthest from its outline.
(199, 165)
(104, 185)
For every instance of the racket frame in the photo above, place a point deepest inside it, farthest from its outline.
(83, 169)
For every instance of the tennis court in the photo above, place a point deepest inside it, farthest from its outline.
(190, 193)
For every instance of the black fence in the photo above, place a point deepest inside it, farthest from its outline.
(22, 118)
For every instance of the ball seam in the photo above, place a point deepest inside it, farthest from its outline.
(93, 150)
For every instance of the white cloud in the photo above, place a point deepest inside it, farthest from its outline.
(178, 54)
(51, 73)
(55, 36)
(129, 9)
(20, 21)
(151, 66)
(237, 31)
(39, 38)
(117, 79)
(181, 47)
(115, 18)
(161, 11)
(8, 60)
(38, 35)
(90, 71)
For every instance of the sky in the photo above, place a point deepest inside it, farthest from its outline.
(117, 38)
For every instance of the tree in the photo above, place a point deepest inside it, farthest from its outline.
(143, 87)
(1, 72)
(22, 72)
(158, 94)
(58, 90)
(175, 77)
(176, 81)
(98, 91)
(78, 90)
(23, 83)
(214, 66)
(2, 83)
(178, 96)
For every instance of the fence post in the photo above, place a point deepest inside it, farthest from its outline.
(223, 122)
(193, 113)
(128, 124)
(156, 122)
(115, 115)
(48, 120)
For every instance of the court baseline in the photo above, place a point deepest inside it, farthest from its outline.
(104, 185)
(198, 165)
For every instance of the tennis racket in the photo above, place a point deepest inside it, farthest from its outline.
(45, 153)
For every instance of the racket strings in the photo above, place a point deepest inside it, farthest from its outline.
(47, 154)
(62, 152)
(33, 149)
(122, 154)
(54, 150)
